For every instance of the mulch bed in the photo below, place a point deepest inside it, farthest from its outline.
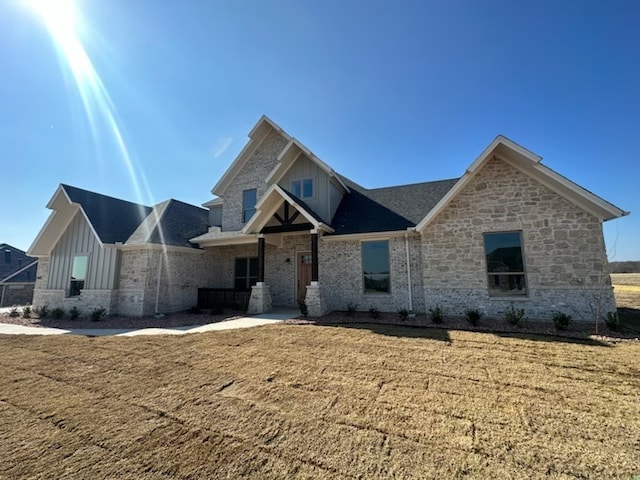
(580, 330)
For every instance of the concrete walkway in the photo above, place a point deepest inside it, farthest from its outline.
(245, 322)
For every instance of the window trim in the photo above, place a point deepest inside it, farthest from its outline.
(246, 210)
(523, 273)
(72, 288)
(247, 276)
(362, 270)
(301, 182)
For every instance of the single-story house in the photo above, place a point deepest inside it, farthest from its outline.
(286, 227)
(17, 276)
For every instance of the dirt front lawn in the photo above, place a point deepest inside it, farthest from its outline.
(304, 401)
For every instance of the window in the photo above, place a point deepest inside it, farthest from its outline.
(246, 273)
(78, 274)
(302, 188)
(375, 266)
(505, 264)
(249, 198)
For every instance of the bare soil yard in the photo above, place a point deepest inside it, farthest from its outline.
(304, 401)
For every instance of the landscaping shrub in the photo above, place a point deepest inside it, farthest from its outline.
(42, 312)
(561, 320)
(97, 313)
(26, 312)
(351, 309)
(74, 313)
(404, 314)
(14, 312)
(303, 309)
(57, 313)
(374, 313)
(473, 316)
(613, 321)
(514, 316)
(435, 314)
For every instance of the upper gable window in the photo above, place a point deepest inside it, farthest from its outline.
(249, 198)
(505, 264)
(302, 188)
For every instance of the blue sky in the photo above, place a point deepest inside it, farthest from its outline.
(385, 92)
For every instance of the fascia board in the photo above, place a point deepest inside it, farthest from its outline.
(368, 236)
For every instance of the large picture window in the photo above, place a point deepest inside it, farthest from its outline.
(78, 274)
(249, 199)
(246, 273)
(375, 266)
(505, 264)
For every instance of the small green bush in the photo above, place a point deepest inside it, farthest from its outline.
(42, 312)
(57, 313)
(613, 321)
(514, 316)
(303, 309)
(404, 314)
(473, 316)
(435, 314)
(352, 308)
(74, 313)
(374, 313)
(14, 312)
(26, 312)
(561, 320)
(97, 313)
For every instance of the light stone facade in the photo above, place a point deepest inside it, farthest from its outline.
(563, 248)
(252, 176)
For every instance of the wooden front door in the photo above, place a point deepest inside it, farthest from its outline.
(304, 274)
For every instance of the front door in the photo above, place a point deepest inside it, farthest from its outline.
(304, 274)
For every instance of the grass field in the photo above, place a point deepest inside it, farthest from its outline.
(301, 401)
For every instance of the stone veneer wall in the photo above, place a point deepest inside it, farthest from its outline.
(181, 275)
(563, 248)
(252, 176)
(341, 277)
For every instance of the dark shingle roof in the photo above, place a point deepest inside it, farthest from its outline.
(178, 223)
(387, 209)
(13, 260)
(113, 220)
(306, 207)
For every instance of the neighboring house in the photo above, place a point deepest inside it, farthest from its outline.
(285, 225)
(17, 276)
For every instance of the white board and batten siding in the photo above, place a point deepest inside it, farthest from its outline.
(326, 196)
(79, 239)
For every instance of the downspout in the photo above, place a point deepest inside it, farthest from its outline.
(409, 285)
(158, 283)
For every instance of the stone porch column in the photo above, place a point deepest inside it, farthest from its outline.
(314, 298)
(260, 300)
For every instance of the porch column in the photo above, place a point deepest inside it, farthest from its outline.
(260, 300)
(261, 259)
(314, 257)
(314, 299)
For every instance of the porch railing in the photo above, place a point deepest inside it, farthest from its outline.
(223, 298)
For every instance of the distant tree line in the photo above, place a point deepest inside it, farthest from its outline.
(625, 267)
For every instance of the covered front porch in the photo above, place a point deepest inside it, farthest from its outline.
(275, 257)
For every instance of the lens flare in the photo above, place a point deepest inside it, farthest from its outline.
(63, 21)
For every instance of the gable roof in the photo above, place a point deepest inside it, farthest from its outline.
(112, 219)
(528, 163)
(257, 134)
(171, 222)
(269, 204)
(20, 267)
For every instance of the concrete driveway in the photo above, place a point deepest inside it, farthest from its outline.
(244, 322)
